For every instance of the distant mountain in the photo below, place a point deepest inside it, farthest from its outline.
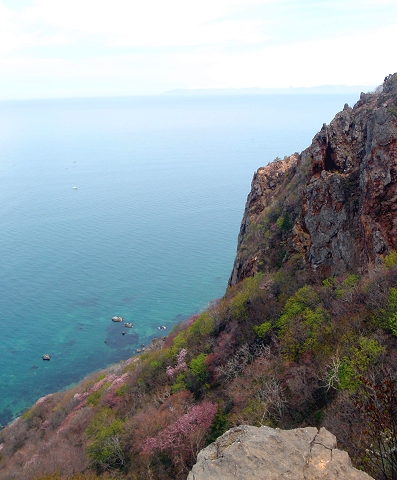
(323, 89)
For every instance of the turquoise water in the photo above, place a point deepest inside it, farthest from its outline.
(149, 234)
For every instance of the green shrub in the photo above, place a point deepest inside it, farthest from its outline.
(305, 299)
(388, 316)
(156, 365)
(198, 367)
(392, 324)
(390, 260)
(348, 378)
(191, 337)
(103, 416)
(347, 285)
(248, 291)
(238, 306)
(305, 325)
(93, 398)
(218, 427)
(106, 451)
(262, 329)
(179, 384)
(360, 358)
(328, 282)
(122, 390)
(309, 331)
(203, 326)
(284, 223)
(27, 414)
(178, 343)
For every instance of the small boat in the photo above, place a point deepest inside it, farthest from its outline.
(46, 357)
(128, 325)
(117, 319)
(162, 327)
(74, 188)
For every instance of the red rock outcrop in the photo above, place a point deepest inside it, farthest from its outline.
(347, 184)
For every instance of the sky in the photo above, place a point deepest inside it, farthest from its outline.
(91, 48)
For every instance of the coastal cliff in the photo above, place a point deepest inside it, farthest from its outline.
(337, 199)
(300, 351)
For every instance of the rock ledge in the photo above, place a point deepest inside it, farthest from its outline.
(264, 453)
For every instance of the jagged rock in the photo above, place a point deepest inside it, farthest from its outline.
(250, 453)
(267, 186)
(347, 187)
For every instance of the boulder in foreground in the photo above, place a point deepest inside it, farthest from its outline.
(264, 453)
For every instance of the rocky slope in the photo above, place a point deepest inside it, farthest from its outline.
(343, 214)
(264, 453)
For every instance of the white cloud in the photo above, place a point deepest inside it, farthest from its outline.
(380, 2)
(342, 60)
(211, 44)
(151, 23)
(17, 33)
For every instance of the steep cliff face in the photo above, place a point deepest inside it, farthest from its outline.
(263, 203)
(339, 196)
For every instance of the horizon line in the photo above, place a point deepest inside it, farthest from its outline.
(318, 89)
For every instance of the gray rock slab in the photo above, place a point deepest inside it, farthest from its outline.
(252, 453)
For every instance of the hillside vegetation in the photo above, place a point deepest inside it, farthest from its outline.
(279, 349)
(293, 342)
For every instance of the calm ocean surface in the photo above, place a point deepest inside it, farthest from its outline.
(150, 233)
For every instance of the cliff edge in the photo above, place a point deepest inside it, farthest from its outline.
(335, 203)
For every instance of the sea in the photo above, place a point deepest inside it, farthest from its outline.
(124, 206)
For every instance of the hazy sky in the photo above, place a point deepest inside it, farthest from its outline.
(64, 48)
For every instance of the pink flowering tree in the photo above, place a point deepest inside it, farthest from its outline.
(183, 439)
(180, 364)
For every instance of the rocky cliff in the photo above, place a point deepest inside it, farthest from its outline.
(265, 453)
(335, 203)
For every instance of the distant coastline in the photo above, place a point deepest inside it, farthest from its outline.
(195, 92)
(319, 90)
